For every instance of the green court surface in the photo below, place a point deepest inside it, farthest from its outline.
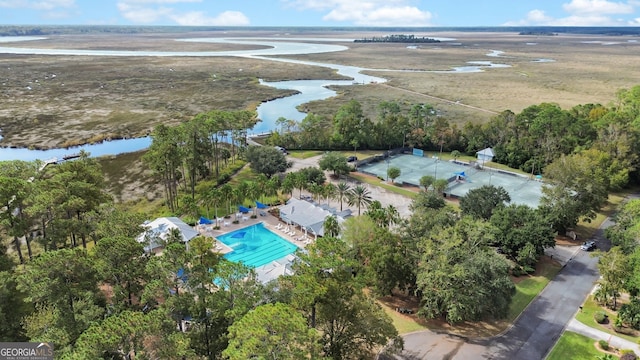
(526, 190)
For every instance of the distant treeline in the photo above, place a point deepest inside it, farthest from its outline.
(397, 39)
(39, 30)
(538, 33)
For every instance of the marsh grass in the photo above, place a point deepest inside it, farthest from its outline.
(128, 96)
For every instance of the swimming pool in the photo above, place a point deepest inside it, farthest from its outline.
(255, 245)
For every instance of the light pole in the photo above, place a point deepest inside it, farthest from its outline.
(387, 160)
(435, 173)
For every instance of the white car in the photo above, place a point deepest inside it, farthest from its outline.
(588, 246)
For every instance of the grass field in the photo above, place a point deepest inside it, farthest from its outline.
(574, 346)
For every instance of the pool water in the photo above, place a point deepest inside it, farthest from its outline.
(255, 245)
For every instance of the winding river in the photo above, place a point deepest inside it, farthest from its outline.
(268, 112)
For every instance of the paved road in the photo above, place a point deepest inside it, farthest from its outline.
(615, 341)
(536, 330)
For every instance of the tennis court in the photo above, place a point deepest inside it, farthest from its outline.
(462, 177)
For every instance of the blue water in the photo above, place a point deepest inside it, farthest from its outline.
(113, 147)
(255, 246)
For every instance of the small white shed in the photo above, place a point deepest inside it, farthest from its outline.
(485, 155)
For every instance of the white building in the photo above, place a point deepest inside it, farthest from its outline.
(157, 232)
(485, 156)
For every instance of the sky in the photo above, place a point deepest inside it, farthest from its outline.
(379, 13)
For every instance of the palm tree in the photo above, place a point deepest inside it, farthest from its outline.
(226, 194)
(377, 213)
(254, 191)
(211, 198)
(271, 188)
(331, 226)
(359, 196)
(261, 182)
(392, 215)
(315, 190)
(299, 181)
(329, 191)
(288, 184)
(342, 192)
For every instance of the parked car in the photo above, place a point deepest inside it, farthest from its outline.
(282, 150)
(352, 158)
(588, 246)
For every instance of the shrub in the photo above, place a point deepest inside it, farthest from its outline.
(624, 330)
(600, 317)
(604, 345)
(630, 313)
(628, 354)
(518, 271)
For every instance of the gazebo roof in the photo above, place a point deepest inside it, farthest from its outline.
(308, 215)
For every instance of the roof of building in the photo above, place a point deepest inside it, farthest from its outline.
(157, 231)
(309, 215)
(486, 152)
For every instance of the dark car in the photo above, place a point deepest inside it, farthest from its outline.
(352, 158)
(588, 246)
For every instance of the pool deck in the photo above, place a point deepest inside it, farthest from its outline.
(270, 222)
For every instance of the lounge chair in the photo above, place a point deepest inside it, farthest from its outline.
(286, 229)
(279, 226)
(262, 213)
(226, 223)
(292, 233)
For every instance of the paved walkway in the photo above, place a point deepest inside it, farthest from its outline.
(614, 341)
(401, 203)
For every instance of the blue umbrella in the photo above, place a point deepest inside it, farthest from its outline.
(205, 221)
(243, 209)
(261, 205)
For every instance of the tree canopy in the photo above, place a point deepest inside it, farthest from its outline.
(266, 160)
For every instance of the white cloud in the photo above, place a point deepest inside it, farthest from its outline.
(199, 18)
(583, 13)
(143, 15)
(597, 7)
(366, 12)
(143, 12)
(162, 1)
(37, 5)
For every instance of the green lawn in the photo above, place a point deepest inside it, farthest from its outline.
(304, 154)
(403, 324)
(574, 346)
(529, 288)
(585, 316)
(377, 182)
